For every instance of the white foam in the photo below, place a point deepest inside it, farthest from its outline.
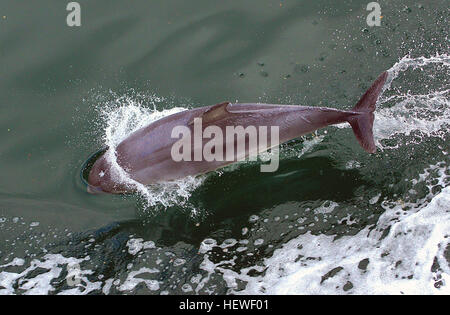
(326, 207)
(135, 245)
(41, 283)
(55, 265)
(400, 262)
(132, 280)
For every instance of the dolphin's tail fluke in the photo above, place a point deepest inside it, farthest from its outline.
(362, 123)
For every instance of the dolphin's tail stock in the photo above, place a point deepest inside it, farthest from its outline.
(362, 122)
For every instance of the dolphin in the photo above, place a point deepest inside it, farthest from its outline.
(147, 154)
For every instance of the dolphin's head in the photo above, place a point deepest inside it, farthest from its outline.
(99, 177)
(99, 180)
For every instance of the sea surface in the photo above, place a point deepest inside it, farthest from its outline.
(332, 220)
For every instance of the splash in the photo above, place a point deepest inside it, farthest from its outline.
(122, 116)
(403, 113)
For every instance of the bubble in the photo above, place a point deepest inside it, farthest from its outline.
(253, 218)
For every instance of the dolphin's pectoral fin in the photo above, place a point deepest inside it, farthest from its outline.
(216, 112)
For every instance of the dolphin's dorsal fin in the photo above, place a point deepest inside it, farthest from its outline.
(215, 113)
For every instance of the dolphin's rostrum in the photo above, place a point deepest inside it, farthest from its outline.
(146, 154)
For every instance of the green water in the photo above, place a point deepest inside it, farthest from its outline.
(54, 80)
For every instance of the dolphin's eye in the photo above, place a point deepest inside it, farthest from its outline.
(101, 174)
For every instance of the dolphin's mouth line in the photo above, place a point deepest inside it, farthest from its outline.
(89, 163)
